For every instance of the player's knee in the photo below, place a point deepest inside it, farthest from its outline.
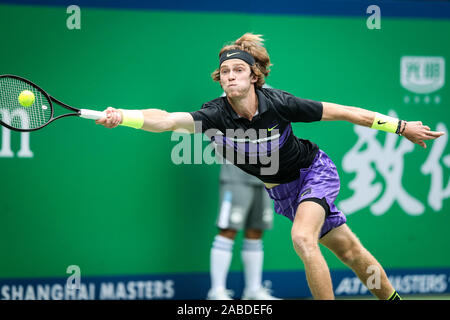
(253, 234)
(304, 243)
(228, 233)
(351, 254)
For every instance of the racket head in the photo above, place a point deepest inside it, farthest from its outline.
(16, 117)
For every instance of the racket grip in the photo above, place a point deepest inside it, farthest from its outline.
(92, 114)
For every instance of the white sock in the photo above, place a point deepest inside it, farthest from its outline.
(252, 257)
(221, 254)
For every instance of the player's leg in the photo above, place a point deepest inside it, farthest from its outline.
(305, 232)
(230, 220)
(220, 258)
(228, 233)
(253, 234)
(347, 247)
(260, 218)
(309, 203)
(252, 255)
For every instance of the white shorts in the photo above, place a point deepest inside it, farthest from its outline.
(244, 206)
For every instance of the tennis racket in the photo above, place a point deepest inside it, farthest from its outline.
(16, 117)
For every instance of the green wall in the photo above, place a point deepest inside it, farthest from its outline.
(112, 202)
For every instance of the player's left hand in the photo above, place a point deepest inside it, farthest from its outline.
(416, 132)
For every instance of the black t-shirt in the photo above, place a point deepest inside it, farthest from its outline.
(264, 147)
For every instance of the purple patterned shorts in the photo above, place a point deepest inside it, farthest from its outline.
(319, 181)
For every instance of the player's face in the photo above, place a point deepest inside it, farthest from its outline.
(236, 78)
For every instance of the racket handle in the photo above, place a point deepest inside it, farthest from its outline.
(92, 114)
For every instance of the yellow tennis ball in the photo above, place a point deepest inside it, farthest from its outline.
(26, 98)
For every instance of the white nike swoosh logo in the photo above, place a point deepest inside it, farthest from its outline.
(231, 54)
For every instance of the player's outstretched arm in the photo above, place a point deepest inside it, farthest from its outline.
(414, 131)
(154, 120)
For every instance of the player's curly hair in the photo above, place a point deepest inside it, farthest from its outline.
(253, 44)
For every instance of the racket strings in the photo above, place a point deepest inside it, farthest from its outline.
(16, 115)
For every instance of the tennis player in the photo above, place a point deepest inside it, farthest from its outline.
(306, 182)
(244, 205)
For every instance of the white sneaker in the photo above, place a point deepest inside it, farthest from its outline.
(220, 294)
(260, 294)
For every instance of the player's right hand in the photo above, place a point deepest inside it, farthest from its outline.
(113, 118)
